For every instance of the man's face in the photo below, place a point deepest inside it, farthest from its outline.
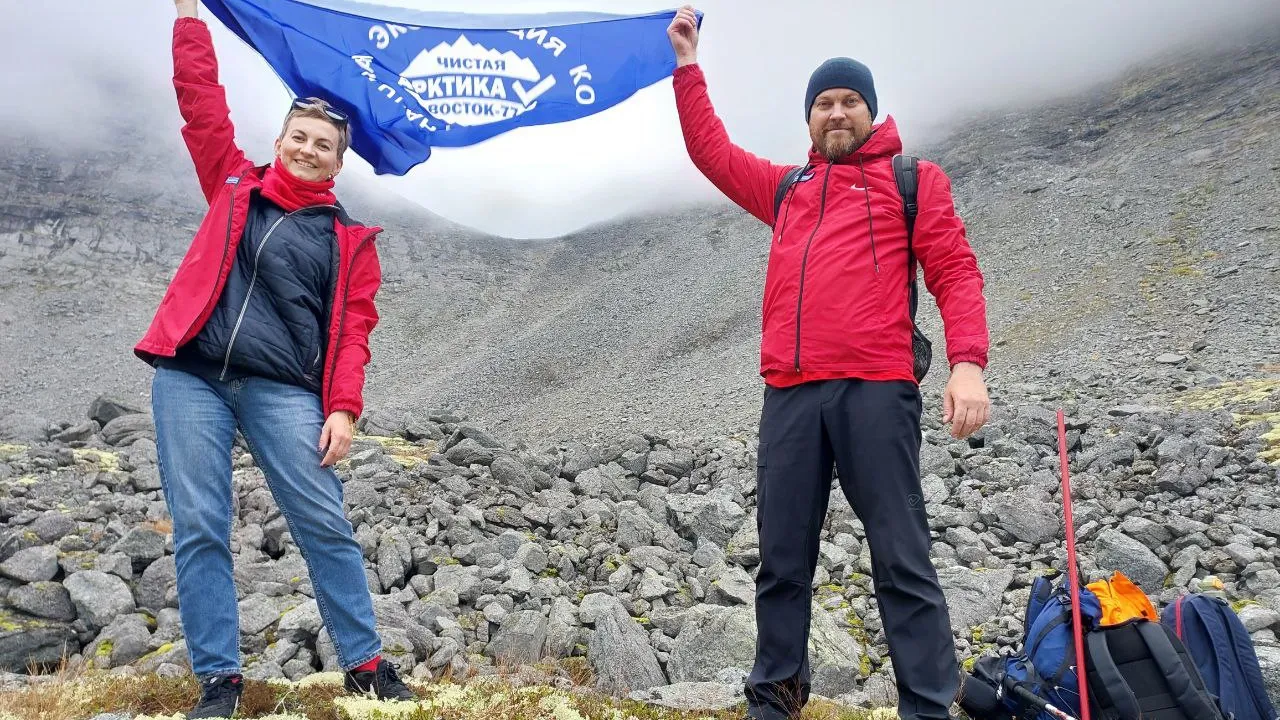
(839, 122)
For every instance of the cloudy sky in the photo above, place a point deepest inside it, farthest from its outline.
(67, 64)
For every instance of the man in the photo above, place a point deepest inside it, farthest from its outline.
(836, 357)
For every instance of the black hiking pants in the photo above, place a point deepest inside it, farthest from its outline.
(870, 431)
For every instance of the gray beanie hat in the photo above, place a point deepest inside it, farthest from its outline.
(841, 72)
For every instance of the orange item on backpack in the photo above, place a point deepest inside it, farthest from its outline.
(1122, 601)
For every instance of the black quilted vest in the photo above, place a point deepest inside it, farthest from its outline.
(272, 317)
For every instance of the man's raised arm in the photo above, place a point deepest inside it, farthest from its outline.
(747, 180)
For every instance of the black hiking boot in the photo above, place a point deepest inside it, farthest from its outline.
(383, 683)
(219, 697)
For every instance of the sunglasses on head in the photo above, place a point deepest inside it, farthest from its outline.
(333, 113)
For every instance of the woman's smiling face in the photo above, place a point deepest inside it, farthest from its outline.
(308, 148)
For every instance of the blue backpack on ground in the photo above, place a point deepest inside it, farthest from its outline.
(1017, 687)
(1003, 687)
(1049, 645)
(1222, 651)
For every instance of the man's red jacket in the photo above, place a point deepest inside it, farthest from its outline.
(836, 289)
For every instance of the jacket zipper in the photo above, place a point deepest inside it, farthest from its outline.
(804, 261)
(226, 244)
(253, 279)
(342, 314)
(871, 226)
(226, 361)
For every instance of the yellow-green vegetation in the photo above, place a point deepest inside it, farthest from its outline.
(1179, 255)
(105, 460)
(1177, 258)
(579, 669)
(1272, 439)
(858, 631)
(407, 454)
(10, 622)
(1025, 330)
(84, 559)
(77, 695)
(9, 451)
(158, 651)
(977, 650)
(1243, 399)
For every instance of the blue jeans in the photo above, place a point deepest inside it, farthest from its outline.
(196, 420)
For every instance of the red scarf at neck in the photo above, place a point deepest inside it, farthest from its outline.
(291, 192)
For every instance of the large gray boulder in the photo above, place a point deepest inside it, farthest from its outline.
(718, 638)
(46, 599)
(33, 564)
(619, 651)
(26, 640)
(520, 638)
(973, 596)
(99, 598)
(1115, 551)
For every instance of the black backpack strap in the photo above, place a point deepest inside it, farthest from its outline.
(1187, 692)
(1041, 591)
(1110, 685)
(788, 180)
(906, 173)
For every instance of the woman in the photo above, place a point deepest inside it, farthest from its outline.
(264, 328)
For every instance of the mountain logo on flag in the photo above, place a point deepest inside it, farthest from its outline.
(464, 83)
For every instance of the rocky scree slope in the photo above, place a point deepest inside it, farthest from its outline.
(635, 554)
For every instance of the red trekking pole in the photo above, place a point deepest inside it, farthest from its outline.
(1072, 572)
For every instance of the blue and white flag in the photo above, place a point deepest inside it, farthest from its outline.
(413, 80)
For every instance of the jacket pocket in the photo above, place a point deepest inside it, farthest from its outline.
(311, 357)
(872, 306)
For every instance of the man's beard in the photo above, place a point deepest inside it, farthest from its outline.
(835, 147)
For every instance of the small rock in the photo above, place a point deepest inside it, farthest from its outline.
(520, 638)
(99, 598)
(35, 564)
(104, 409)
(43, 599)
